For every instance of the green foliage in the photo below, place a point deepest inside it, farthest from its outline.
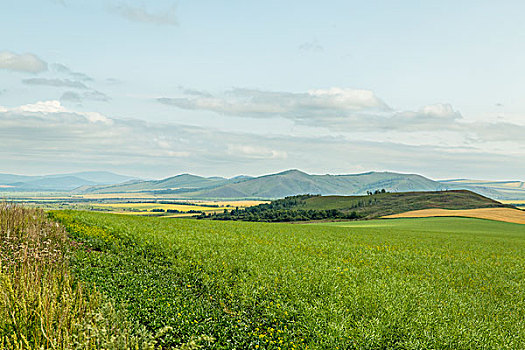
(442, 283)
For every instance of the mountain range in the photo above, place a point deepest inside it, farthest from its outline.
(287, 183)
(59, 182)
(279, 185)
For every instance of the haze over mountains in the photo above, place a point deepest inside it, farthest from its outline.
(292, 182)
(279, 185)
(59, 182)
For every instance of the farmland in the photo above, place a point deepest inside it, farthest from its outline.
(129, 203)
(449, 283)
(498, 214)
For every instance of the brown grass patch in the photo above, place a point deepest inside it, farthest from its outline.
(499, 214)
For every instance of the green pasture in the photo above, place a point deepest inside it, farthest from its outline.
(436, 283)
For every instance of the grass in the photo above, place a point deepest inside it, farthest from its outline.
(435, 283)
(41, 305)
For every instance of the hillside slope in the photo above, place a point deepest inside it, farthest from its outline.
(307, 207)
(392, 203)
(294, 182)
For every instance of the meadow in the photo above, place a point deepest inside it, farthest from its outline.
(432, 283)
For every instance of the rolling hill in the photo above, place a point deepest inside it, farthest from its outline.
(308, 207)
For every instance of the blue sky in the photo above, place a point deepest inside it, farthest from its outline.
(250, 87)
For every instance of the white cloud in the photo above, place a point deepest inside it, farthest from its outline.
(55, 108)
(315, 105)
(55, 83)
(50, 136)
(63, 69)
(311, 46)
(255, 152)
(93, 95)
(41, 107)
(27, 62)
(141, 14)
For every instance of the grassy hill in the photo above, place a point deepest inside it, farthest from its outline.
(392, 203)
(299, 208)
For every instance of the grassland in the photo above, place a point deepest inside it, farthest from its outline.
(498, 214)
(434, 283)
(42, 306)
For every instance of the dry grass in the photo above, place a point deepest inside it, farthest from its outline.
(498, 214)
(41, 305)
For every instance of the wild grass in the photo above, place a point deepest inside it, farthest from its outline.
(42, 306)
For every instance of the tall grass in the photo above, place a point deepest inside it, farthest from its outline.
(41, 304)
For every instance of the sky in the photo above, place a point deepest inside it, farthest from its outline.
(223, 88)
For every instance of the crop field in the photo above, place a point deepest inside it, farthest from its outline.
(431, 283)
(498, 214)
(150, 206)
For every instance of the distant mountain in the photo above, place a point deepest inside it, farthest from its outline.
(103, 177)
(287, 183)
(59, 182)
(502, 190)
(293, 182)
(184, 181)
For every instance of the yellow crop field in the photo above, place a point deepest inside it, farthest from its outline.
(513, 201)
(150, 206)
(498, 214)
(129, 195)
(240, 204)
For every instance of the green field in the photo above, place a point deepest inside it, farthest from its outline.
(437, 283)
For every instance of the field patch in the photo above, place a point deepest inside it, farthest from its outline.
(499, 214)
